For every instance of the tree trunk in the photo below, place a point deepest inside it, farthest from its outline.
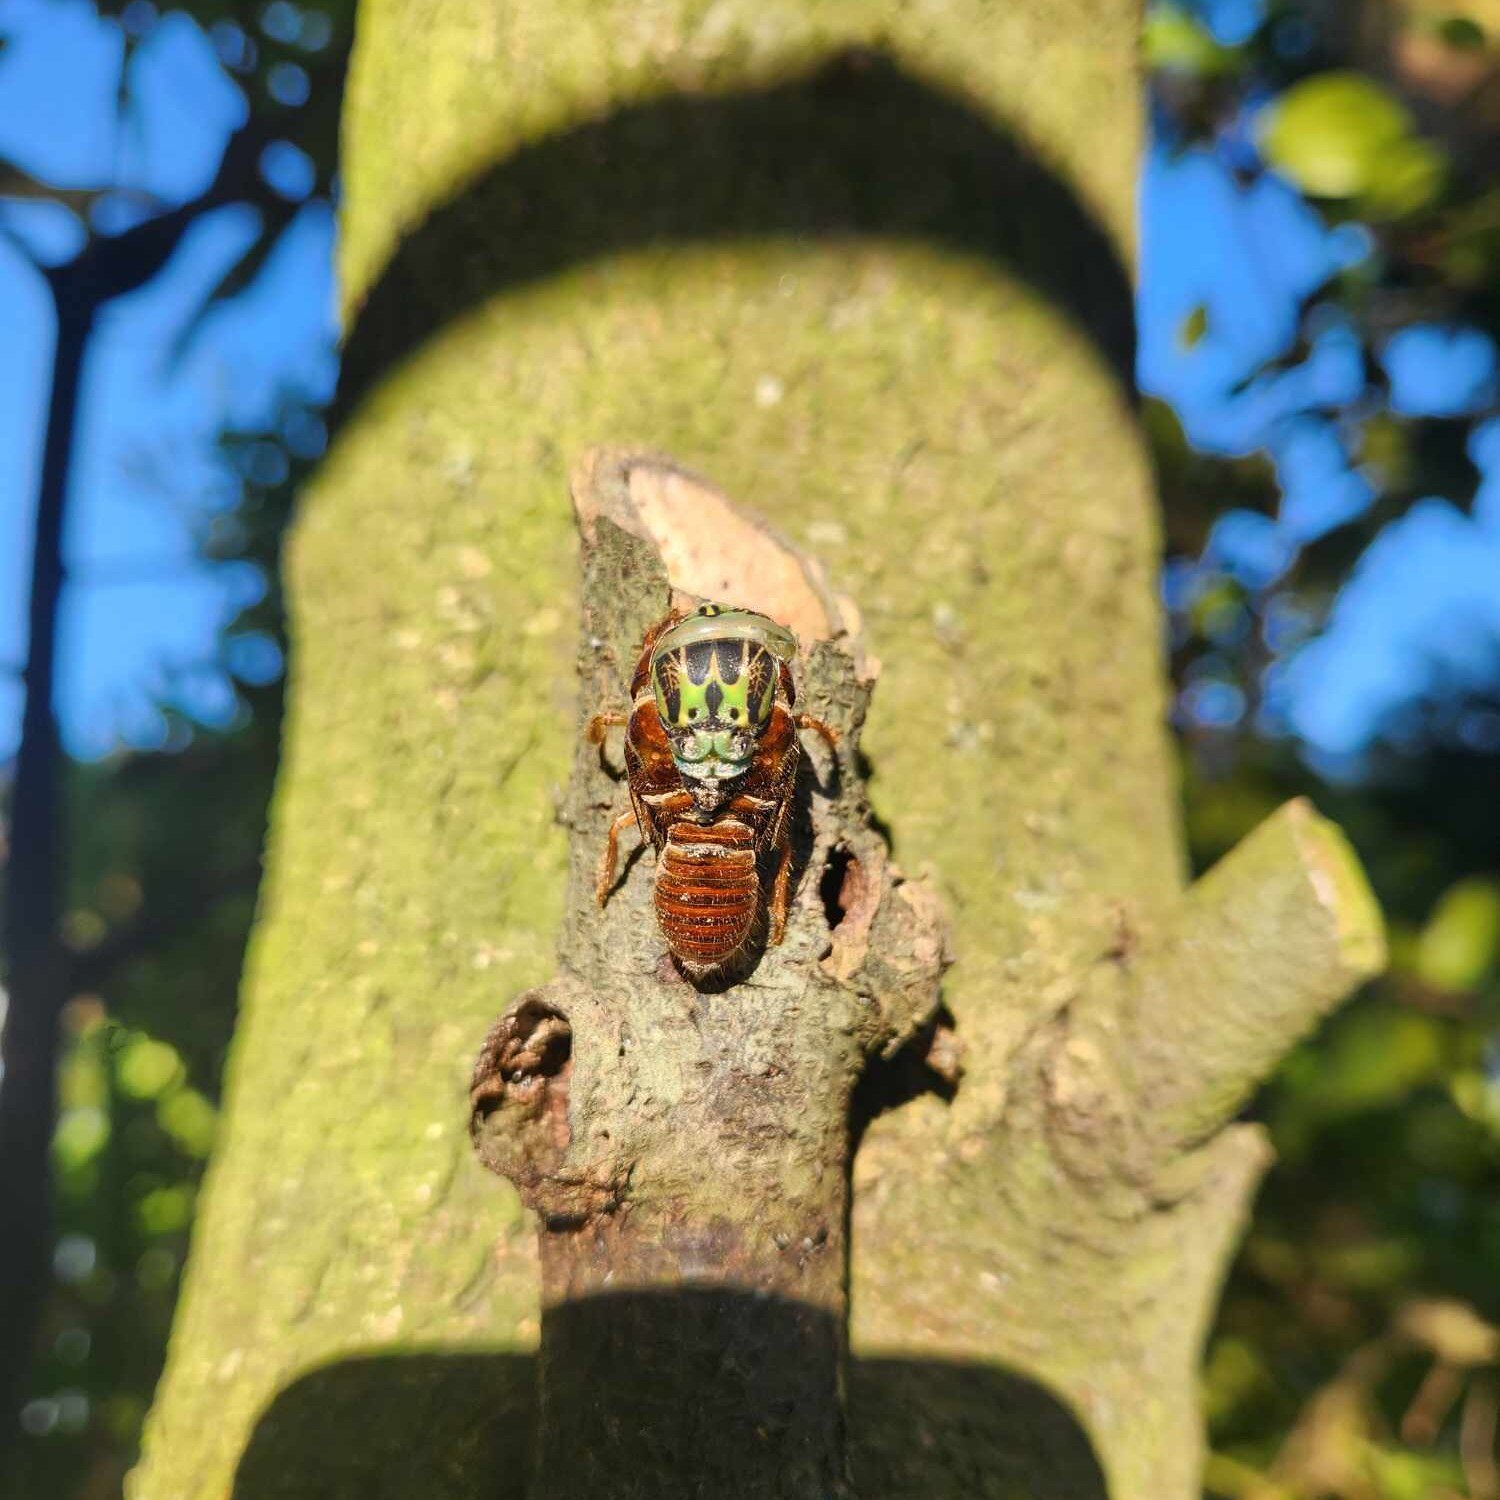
(686, 1144)
(862, 262)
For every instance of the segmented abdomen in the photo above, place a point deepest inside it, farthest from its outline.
(707, 891)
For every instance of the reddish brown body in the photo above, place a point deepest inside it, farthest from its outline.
(707, 890)
(715, 839)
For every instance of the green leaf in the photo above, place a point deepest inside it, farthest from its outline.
(165, 1210)
(1462, 33)
(1174, 42)
(1368, 1265)
(1408, 177)
(1460, 944)
(1412, 1476)
(1234, 1375)
(147, 1068)
(1374, 1059)
(81, 1136)
(189, 1119)
(1342, 135)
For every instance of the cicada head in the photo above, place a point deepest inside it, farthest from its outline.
(714, 676)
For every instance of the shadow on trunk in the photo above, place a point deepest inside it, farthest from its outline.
(857, 148)
(463, 1426)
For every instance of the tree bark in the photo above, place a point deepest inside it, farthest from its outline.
(686, 1147)
(863, 264)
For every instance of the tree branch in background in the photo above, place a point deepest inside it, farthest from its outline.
(33, 950)
(42, 974)
(16, 183)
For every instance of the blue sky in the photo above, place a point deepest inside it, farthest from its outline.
(142, 615)
(1425, 598)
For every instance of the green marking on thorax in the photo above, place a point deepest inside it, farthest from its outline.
(684, 703)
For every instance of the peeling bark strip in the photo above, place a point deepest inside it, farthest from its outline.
(689, 1147)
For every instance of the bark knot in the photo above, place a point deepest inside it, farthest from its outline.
(519, 1113)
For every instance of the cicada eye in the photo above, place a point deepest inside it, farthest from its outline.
(665, 689)
(759, 690)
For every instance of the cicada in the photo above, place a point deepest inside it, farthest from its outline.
(711, 754)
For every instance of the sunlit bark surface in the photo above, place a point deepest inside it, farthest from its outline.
(863, 263)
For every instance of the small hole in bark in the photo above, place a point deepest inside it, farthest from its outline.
(540, 1044)
(524, 1050)
(518, 1102)
(840, 885)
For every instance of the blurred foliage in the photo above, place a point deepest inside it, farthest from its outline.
(288, 61)
(1341, 135)
(1357, 1351)
(1404, 146)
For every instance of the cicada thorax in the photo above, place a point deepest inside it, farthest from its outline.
(711, 752)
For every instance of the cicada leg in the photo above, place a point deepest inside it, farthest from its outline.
(781, 890)
(595, 728)
(829, 733)
(611, 856)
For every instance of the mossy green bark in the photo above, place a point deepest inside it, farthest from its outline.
(962, 453)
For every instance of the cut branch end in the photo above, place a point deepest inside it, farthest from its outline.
(1267, 943)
